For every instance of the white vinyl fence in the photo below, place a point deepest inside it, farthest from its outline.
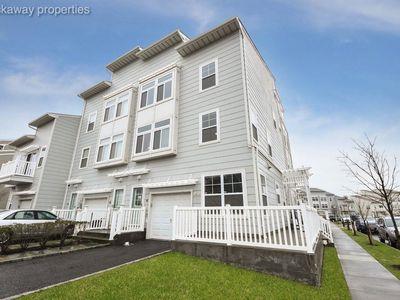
(116, 220)
(279, 227)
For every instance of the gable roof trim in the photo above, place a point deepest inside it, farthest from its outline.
(95, 89)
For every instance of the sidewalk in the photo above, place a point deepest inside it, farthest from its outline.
(365, 276)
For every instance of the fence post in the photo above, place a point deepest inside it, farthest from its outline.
(174, 223)
(115, 222)
(53, 210)
(228, 225)
(307, 228)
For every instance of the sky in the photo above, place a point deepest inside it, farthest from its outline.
(336, 63)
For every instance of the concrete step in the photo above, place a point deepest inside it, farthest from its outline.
(102, 237)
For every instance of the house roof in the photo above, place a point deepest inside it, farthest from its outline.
(22, 140)
(166, 42)
(317, 190)
(215, 34)
(124, 59)
(95, 89)
(47, 117)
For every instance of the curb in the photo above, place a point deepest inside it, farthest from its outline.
(88, 275)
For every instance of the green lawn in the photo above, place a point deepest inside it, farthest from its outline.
(388, 256)
(178, 276)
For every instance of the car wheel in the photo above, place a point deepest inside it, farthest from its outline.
(393, 243)
(382, 240)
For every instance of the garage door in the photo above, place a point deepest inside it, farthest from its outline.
(24, 204)
(161, 213)
(96, 203)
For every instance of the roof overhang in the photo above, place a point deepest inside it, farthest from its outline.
(22, 140)
(153, 185)
(170, 40)
(124, 59)
(44, 119)
(25, 193)
(211, 36)
(97, 88)
(30, 148)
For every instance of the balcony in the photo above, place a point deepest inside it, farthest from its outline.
(17, 172)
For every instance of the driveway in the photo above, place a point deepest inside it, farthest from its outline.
(25, 276)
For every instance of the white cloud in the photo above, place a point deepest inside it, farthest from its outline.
(381, 15)
(30, 87)
(317, 143)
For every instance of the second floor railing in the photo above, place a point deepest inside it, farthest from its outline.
(18, 167)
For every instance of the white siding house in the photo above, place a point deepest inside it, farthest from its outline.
(182, 122)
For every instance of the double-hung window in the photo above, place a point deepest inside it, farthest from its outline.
(122, 107)
(209, 127)
(157, 90)
(278, 192)
(117, 107)
(109, 111)
(208, 75)
(41, 156)
(116, 146)
(153, 136)
(91, 122)
(221, 190)
(104, 150)
(147, 97)
(84, 158)
(264, 190)
(164, 87)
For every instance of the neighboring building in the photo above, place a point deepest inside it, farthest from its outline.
(346, 206)
(189, 122)
(6, 154)
(376, 208)
(324, 201)
(41, 163)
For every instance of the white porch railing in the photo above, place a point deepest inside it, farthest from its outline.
(18, 167)
(116, 220)
(279, 227)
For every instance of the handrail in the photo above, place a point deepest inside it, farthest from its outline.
(18, 167)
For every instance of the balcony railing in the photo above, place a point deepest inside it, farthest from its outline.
(17, 167)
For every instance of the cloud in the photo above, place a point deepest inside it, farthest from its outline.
(30, 87)
(317, 143)
(378, 15)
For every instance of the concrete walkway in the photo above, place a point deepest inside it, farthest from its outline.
(24, 276)
(366, 278)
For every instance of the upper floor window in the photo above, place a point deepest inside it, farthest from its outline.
(221, 190)
(41, 156)
(208, 75)
(209, 127)
(156, 90)
(117, 107)
(278, 192)
(153, 136)
(84, 158)
(264, 190)
(269, 143)
(91, 122)
(110, 148)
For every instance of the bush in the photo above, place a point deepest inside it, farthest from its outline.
(24, 234)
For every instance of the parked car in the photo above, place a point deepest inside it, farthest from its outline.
(345, 219)
(361, 226)
(386, 230)
(23, 216)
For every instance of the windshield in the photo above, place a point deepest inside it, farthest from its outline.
(389, 222)
(371, 221)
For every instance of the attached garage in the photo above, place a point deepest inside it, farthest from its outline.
(24, 203)
(96, 203)
(161, 213)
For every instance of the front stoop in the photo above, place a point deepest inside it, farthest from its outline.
(294, 265)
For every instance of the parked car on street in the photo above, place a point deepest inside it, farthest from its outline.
(386, 230)
(361, 226)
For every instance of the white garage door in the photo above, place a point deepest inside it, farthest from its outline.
(96, 203)
(24, 204)
(161, 213)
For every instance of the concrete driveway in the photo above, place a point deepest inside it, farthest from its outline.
(24, 276)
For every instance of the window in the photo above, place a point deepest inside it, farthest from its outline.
(137, 196)
(41, 156)
(116, 146)
(221, 190)
(24, 215)
(45, 215)
(72, 202)
(208, 75)
(269, 143)
(84, 158)
(109, 111)
(153, 136)
(255, 132)
(118, 197)
(209, 125)
(156, 90)
(278, 192)
(264, 190)
(122, 108)
(324, 205)
(116, 107)
(316, 205)
(91, 121)
(274, 120)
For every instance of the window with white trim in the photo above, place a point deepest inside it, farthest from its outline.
(254, 125)
(209, 127)
(153, 136)
(274, 120)
(118, 198)
(137, 197)
(156, 90)
(221, 190)
(278, 192)
(84, 158)
(72, 201)
(91, 121)
(208, 75)
(264, 196)
(117, 107)
(42, 155)
(110, 148)
(269, 143)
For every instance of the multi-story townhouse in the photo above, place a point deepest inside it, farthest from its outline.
(324, 201)
(40, 166)
(346, 206)
(188, 122)
(6, 154)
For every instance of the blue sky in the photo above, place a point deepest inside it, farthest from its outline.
(336, 63)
